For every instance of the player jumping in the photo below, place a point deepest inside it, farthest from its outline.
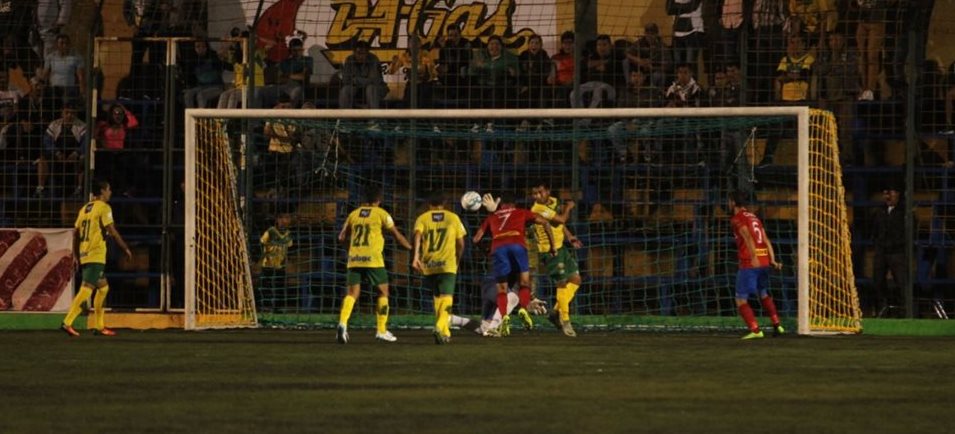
(562, 267)
(507, 225)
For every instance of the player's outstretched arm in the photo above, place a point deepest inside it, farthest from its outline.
(401, 238)
(119, 240)
(569, 236)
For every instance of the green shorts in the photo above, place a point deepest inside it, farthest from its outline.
(561, 266)
(374, 276)
(92, 273)
(442, 283)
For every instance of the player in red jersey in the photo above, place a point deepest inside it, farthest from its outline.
(507, 224)
(756, 256)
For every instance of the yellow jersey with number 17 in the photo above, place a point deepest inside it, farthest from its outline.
(367, 241)
(440, 230)
(91, 225)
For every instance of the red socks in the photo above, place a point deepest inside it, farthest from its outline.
(747, 313)
(770, 307)
(502, 303)
(524, 295)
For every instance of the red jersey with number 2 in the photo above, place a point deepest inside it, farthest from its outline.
(747, 221)
(507, 226)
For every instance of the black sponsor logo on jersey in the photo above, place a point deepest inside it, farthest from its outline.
(359, 259)
(364, 213)
(437, 217)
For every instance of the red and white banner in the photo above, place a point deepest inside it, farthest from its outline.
(36, 270)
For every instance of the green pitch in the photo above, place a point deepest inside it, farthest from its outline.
(301, 381)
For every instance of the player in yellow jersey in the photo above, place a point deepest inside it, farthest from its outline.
(364, 229)
(562, 267)
(438, 246)
(94, 222)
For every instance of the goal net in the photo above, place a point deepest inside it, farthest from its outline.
(650, 187)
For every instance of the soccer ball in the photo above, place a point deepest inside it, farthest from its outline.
(471, 201)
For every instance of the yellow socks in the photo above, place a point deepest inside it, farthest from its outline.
(98, 301)
(347, 305)
(381, 314)
(77, 305)
(564, 296)
(443, 310)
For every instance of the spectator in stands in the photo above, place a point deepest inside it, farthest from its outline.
(39, 102)
(767, 43)
(687, 30)
(64, 71)
(838, 85)
(537, 75)
(148, 18)
(887, 233)
(232, 98)
(284, 139)
(731, 26)
(601, 74)
(640, 93)
(203, 69)
(427, 72)
(792, 87)
(64, 145)
(22, 145)
(361, 75)
(727, 91)
(870, 35)
(454, 54)
(296, 71)
(16, 18)
(51, 17)
(649, 53)
(813, 20)
(20, 62)
(111, 138)
(795, 68)
(495, 71)
(564, 65)
(684, 92)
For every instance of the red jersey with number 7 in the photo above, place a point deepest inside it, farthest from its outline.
(747, 221)
(507, 226)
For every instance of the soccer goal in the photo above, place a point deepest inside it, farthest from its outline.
(650, 187)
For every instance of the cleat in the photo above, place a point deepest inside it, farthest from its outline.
(385, 337)
(104, 332)
(341, 335)
(568, 329)
(438, 339)
(526, 319)
(554, 318)
(778, 330)
(492, 333)
(69, 330)
(753, 335)
(505, 328)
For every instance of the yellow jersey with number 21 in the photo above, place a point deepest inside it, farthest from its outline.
(367, 241)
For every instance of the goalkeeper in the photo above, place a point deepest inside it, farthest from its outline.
(562, 267)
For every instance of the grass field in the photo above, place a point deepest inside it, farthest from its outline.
(302, 381)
